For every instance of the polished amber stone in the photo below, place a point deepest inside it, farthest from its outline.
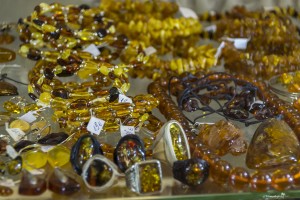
(282, 179)
(273, 144)
(53, 138)
(6, 55)
(11, 107)
(34, 159)
(7, 89)
(178, 142)
(57, 156)
(99, 173)
(239, 178)
(32, 184)
(150, 179)
(223, 137)
(61, 183)
(260, 181)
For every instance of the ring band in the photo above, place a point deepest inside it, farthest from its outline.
(145, 177)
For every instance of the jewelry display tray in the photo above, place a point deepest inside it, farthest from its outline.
(12, 10)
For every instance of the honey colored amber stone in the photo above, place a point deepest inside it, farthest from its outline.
(223, 137)
(295, 172)
(57, 156)
(7, 89)
(32, 184)
(61, 183)
(5, 191)
(220, 171)
(239, 178)
(282, 179)
(150, 178)
(273, 144)
(6, 55)
(11, 107)
(178, 142)
(34, 159)
(260, 181)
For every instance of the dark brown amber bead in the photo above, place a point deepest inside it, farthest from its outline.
(220, 171)
(34, 54)
(101, 32)
(261, 181)
(61, 92)
(48, 73)
(61, 183)
(282, 179)
(3, 144)
(32, 184)
(32, 96)
(113, 94)
(239, 178)
(22, 144)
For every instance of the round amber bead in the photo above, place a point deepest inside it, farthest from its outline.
(220, 171)
(260, 181)
(282, 179)
(239, 178)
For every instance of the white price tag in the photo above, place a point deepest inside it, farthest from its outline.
(124, 99)
(211, 28)
(15, 133)
(92, 49)
(47, 148)
(239, 43)
(126, 130)
(95, 125)
(219, 50)
(150, 50)
(7, 182)
(187, 13)
(11, 152)
(28, 117)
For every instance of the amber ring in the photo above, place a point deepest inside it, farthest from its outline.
(99, 173)
(191, 172)
(171, 143)
(145, 177)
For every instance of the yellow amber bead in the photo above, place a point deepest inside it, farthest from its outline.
(46, 88)
(58, 156)
(104, 70)
(65, 54)
(34, 159)
(30, 107)
(45, 97)
(30, 89)
(48, 28)
(11, 107)
(86, 35)
(58, 69)
(24, 49)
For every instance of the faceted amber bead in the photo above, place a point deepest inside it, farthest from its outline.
(239, 178)
(282, 179)
(261, 181)
(220, 171)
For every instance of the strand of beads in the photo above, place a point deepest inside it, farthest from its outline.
(177, 37)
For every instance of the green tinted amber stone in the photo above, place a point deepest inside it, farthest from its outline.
(178, 142)
(14, 166)
(150, 178)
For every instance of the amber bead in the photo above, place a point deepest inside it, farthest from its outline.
(295, 173)
(5, 191)
(261, 181)
(61, 92)
(53, 138)
(6, 55)
(48, 73)
(239, 178)
(282, 179)
(220, 171)
(14, 166)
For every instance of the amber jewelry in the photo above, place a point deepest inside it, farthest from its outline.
(145, 177)
(291, 81)
(6, 55)
(172, 142)
(5, 37)
(32, 184)
(99, 173)
(192, 172)
(129, 150)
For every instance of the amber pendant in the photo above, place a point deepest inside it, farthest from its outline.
(129, 150)
(6, 55)
(7, 89)
(273, 144)
(85, 147)
(32, 184)
(61, 183)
